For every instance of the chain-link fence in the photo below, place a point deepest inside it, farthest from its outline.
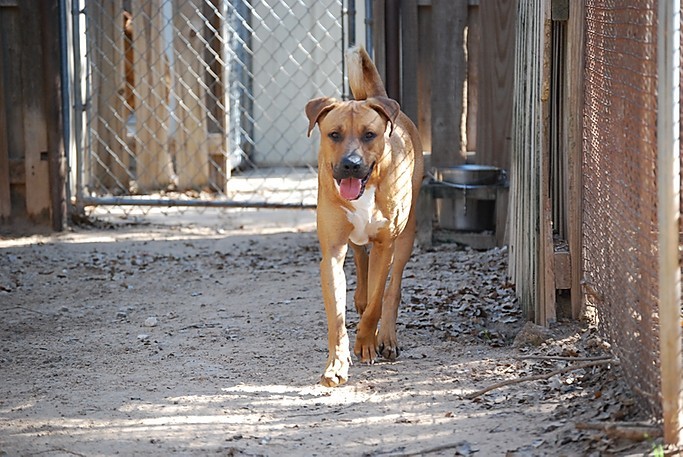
(620, 193)
(201, 101)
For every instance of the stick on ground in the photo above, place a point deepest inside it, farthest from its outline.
(537, 377)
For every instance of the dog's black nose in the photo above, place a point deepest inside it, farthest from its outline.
(352, 163)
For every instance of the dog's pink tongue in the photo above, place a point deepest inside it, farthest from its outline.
(349, 188)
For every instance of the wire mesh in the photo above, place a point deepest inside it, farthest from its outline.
(620, 195)
(202, 100)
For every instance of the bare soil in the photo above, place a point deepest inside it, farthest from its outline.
(204, 334)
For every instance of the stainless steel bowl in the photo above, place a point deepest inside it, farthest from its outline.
(470, 175)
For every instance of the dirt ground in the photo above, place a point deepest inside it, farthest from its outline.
(205, 335)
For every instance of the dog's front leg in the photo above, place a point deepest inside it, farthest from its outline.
(334, 296)
(381, 256)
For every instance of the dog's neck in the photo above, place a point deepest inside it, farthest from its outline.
(366, 219)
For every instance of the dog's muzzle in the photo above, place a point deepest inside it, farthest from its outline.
(351, 174)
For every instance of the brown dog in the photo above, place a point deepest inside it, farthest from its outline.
(370, 169)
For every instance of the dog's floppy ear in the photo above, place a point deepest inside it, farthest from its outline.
(386, 107)
(316, 108)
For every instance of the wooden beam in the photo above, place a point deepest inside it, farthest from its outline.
(424, 80)
(409, 59)
(449, 19)
(574, 148)
(191, 142)
(5, 196)
(49, 19)
(496, 80)
(33, 98)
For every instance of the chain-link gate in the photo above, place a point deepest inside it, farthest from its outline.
(200, 102)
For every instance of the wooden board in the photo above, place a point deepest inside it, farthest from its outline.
(191, 138)
(449, 19)
(34, 122)
(154, 165)
(110, 165)
(424, 80)
(5, 198)
(496, 80)
(409, 64)
(575, 91)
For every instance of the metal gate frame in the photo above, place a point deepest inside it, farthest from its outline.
(79, 128)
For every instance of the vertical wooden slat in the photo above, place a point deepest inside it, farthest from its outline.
(574, 148)
(449, 19)
(424, 78)
(496, 80)
(409, 58)
(379, 37)
(474, 47)
(191, 138)
(49, 20)
(154, 166)
(546, 294)
(33, 97)
(5, 197)
(110, 168)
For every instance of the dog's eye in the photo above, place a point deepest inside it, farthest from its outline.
(334, 136)
(369, 136)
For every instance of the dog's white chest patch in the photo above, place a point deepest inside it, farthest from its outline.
(365, 218)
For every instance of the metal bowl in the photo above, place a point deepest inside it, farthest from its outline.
(470, 175)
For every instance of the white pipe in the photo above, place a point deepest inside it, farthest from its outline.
(668, 212)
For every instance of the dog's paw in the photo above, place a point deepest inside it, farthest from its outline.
(336, 373)
(389, 351)
(365, 349)
(387, 345)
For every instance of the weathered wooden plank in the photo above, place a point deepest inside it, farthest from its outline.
(154, 165)
(449, 19)
(546, 305)
(424, 80)
(110, 162)
(191, 139)
(379, 37)
(575, 92)
(49, 20)
(5, 197)
(473, 57)
(496, 80)
(409, 64)
(33, 99)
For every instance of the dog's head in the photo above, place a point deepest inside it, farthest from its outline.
(351, 138)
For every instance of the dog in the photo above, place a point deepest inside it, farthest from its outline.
(370, 169)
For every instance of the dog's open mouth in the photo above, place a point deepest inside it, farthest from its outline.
(353, 188)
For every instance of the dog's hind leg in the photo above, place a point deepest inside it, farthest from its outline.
(360, 296)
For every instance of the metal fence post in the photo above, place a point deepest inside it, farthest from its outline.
(668, 191)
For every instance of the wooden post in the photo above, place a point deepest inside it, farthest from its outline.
(668, 214)
(33, 97)
(424, 79)
(496, 80)
(545, 305)
(574, 148)
(379, 37)
(5, 196)
(154, 166)
(110, 162)
(191, 138)
(449, 19)
(409, 58)
(49, 20)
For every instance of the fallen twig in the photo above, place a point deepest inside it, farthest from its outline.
(443, 447)
(628, 430)
(537, 377)
(557, 357)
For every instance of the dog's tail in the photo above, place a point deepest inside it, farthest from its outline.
(364, 78)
